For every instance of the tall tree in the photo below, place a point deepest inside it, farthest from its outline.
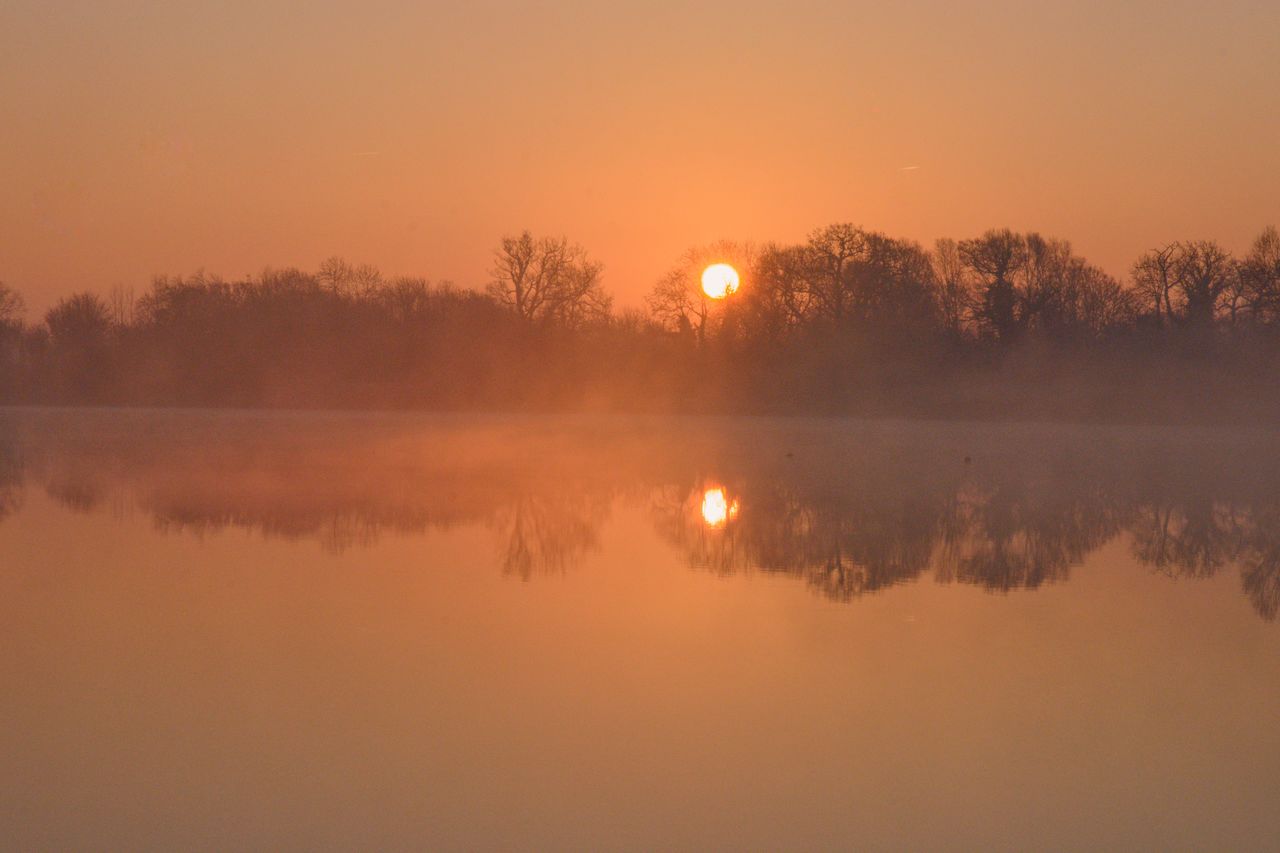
(677, 302)
(955, 288)
(994, 258)
(1260, 276)
(11, 327)
(1153, 279)
(80, 336)
(548, 280)
(11, 306)
(1203, 272)
(832, 253)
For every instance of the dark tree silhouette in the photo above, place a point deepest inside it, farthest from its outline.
(677, 302)
(1203, 272)
(548, 279)
(12, 309)
(80, 332)
(1153, 280)
(994, 258)
(1259, 275)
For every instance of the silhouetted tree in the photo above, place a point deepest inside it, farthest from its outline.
(780, 296)
(955, 289)
(548, 279)
(830, 255)
(1203, 272)
(1153, 278)
(12, 308)
(1259, 276)
(80, 331)
(677, 302)
(994, 258)
(346, 279)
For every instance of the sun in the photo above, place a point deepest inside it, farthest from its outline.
(719, 281)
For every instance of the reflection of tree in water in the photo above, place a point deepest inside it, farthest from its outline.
(863, 541)
(338, 522)
(550, 532)
(1193, 539)
(11, 470)
(1002, 528)
(1260, 560)
(677, 517)
(841, 542)
(1020, 535)
(78, 493)
(1200, 538)
(852, 513)
(342, 483)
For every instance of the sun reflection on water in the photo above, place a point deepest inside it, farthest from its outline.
(718, 509)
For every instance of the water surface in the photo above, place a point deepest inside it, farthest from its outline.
(228, 630)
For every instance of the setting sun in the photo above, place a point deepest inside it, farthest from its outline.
(719, 280)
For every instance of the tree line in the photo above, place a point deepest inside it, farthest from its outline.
(847, 321)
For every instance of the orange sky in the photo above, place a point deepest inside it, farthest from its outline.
(140, 138)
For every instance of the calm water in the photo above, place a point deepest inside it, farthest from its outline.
(242, 631)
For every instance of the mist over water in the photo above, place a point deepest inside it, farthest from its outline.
(596, 631)
(850, 507)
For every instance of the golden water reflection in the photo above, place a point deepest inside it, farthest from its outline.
(718, 509)
(848, 508)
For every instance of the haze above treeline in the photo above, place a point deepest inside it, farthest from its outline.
(850, 321)
(167, 137)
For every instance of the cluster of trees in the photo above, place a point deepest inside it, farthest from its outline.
(999, 287)
(850, 320)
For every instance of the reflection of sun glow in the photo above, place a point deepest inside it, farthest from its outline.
(719, 280)
(716, 508)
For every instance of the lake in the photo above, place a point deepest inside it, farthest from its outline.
(301, 631)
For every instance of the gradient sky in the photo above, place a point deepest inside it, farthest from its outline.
(143, 138)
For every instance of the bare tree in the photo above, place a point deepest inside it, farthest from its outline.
(1100, 302)
(995, 257)
(12, 307)
(955, 287)
(80, 331)
(781, 297)
(1153, 278)
(11, 329)
(347, 280)
(1259, 277)
(832, 252)
(548, 280)
(1188, 281)
(122, 303)
(1203, 271)
(677, 302)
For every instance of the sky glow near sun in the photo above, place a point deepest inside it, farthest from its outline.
(186, 136)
